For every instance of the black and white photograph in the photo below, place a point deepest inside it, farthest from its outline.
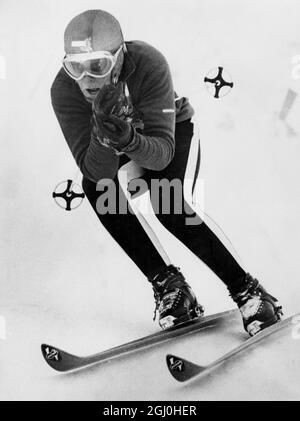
(150, 192)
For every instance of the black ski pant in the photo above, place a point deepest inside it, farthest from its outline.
(130, 235)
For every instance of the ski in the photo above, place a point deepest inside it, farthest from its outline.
(183, 370)
(63, 361)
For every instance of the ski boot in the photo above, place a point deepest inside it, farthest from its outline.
(174, 298)
(258, 308)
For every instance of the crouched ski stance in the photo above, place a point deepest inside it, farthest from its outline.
(115, 103)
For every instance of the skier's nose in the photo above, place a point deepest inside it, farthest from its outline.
(88, 82)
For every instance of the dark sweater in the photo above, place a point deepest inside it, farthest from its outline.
(147, 75)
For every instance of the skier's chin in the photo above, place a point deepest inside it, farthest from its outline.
(89, 96)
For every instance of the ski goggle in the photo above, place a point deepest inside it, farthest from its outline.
(96, 64)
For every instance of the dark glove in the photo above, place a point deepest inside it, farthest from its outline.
(105, 112)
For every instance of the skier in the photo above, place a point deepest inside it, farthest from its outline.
(115, 103)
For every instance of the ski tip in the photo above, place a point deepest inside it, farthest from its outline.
(181, 369)
(176, 367)
(52, 356)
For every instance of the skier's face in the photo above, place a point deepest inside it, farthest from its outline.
(90, 85)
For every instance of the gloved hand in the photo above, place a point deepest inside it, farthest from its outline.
(105, 115)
